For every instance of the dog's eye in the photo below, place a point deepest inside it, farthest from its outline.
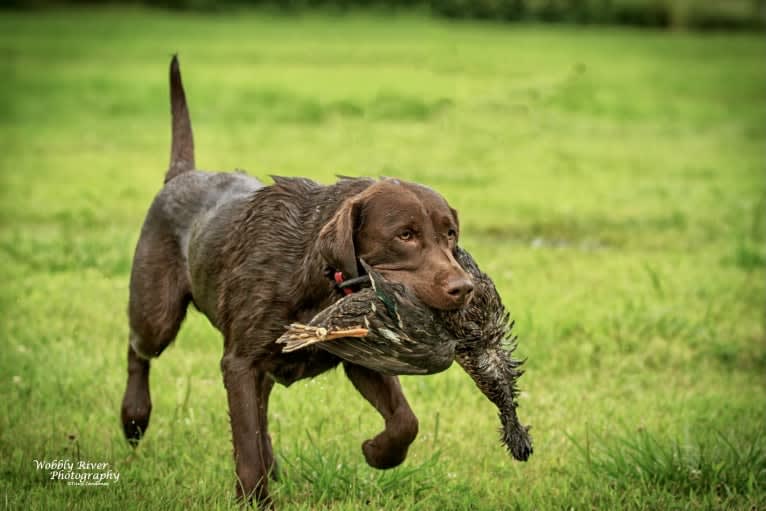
(452, 234)
(406, 235)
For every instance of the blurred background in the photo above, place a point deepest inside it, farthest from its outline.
(607, 159)
(665, 14)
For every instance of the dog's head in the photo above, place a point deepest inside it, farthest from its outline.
(406, 232)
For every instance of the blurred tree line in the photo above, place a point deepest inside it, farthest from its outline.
(670, 14)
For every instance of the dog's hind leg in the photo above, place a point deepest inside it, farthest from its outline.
(159, 282)
(137, 403)
(389, 448)
(159, 296)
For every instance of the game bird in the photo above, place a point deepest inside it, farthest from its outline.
(387, 329)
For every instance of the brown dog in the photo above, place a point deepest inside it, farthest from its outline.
(255, 258)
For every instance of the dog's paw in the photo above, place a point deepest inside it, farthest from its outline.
(135, 420)
(134, 430)
(275, 472)
(382, 457)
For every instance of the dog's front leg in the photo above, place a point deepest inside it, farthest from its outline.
(389, 448)
(248, 392)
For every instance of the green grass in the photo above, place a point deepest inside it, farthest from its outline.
(611, 182)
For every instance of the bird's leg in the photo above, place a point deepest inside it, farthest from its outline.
(389, 448)
(299, 336)
(350, 332)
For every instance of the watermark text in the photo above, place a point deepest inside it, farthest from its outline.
(79, 472)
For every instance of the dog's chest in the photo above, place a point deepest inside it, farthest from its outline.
(288, 368)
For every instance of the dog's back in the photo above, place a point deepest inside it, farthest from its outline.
(183, 213)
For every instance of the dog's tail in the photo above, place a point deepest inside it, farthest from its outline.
(182, 144)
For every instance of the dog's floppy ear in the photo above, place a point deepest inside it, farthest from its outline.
(336, 239)
(457, 220)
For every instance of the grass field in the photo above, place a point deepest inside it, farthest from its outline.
(611, 182)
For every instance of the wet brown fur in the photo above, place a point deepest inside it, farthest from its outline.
(253, 259)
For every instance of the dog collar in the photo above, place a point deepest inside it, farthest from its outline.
(347, 286)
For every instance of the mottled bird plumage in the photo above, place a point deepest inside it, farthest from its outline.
(485, 352)
(388, 329)
(392, 332)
